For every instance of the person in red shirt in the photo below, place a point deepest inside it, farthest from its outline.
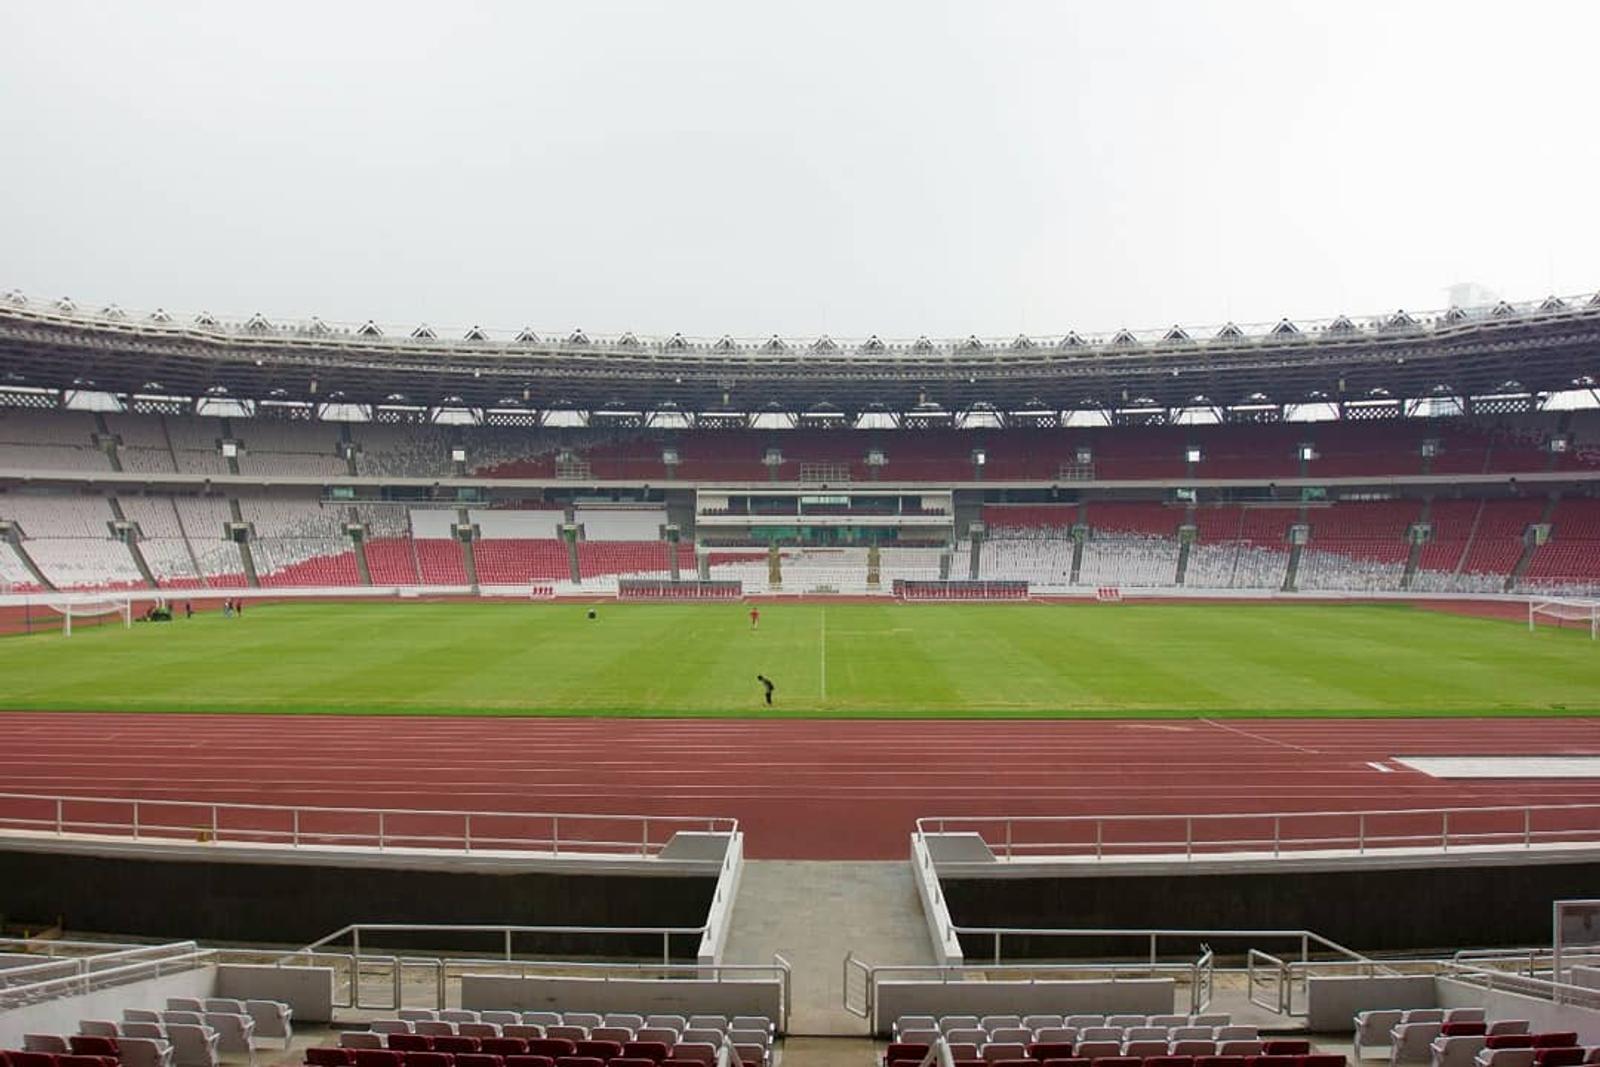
(755, 616)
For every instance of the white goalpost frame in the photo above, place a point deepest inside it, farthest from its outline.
(87, 609)
(1563, 609)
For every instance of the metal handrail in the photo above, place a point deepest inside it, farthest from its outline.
(87, 981)
(999, 832)
(214, 828)
(1306, 937)
(508, 932)
(1275, 967)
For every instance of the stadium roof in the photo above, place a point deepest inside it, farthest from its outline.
(1530, 348)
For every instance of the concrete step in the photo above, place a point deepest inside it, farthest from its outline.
(812, 914)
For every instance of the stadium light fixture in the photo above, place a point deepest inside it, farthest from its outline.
(458, 455)
(1191, 454)
(979, 457)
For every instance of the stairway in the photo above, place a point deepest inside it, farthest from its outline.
(244, 546)
(1414, 556)
(812, 913)
(133, 544)
(1529, 545)
(106, 442)
(233, 468)
(19, 546)
(1183, 548)
(469, 559)
(1472, 535)
(360, 546)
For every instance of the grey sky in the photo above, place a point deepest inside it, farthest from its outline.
(750, 168)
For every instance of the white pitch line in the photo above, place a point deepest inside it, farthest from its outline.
(1375, 765)
(824, 643)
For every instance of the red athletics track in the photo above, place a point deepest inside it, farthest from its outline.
(801, 788)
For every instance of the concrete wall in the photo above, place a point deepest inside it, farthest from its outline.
(644, 996)
(946, 945)
(1142, 996)
(308, 990)
(1332, 1002)
(282, 903)
(62, 1015)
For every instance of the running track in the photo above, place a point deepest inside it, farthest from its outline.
(801, 789)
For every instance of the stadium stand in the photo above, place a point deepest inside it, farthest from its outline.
(1570, 560)
(62, 441)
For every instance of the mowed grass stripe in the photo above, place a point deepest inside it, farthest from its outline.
(882, 660)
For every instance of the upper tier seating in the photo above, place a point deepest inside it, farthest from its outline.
(39, 440)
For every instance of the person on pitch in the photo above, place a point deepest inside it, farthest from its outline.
(755, 620)
(764, 680)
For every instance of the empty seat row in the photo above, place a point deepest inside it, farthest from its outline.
(1135, 1041)
(945, 1023)
(1376, 1030)
(425, 1035)
(587, 1020)
(906, 1056)
(546, 1052)
(129, 1052)
(1095, 1051)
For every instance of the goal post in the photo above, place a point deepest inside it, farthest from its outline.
(78, 610)
(1563, 610)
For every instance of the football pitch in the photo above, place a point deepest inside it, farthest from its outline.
(825, 660)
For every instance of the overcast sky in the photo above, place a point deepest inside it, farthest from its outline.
(814, 167)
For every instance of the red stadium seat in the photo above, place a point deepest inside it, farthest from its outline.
(1509, 1041)
(456, 1043)
(604, 1050)
(1321, 1059)
(901, 1051)
(1051, 1050)
(90, 1045)
(530, 1060)
(374, 1057)
(1558, 1056)
(1220, 1061)
(429, 1059)
(504, 1046)
(1555, 1039)
(330, 1057)
(1286, 1046)
(655, 1051)
(479, 1059)
(547, 1046)
(411, 1042)
(1464, 1029)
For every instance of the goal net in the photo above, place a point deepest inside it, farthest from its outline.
(98, 612)
(1564, 610)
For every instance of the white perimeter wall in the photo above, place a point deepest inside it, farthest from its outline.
(482, 992)
(61, 1016)
(1134, 996)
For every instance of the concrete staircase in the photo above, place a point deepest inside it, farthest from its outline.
(812, 913)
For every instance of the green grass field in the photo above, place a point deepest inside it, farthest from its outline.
(840, 660)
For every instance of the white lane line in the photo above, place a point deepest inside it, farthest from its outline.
(1219, 724)
(1375, 765)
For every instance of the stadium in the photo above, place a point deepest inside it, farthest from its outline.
(439, 683)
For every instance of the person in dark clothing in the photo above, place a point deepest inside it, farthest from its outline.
(188, 610)
(764, 680)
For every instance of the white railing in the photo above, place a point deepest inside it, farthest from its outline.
(145, 819)
(1196, 837)
(861, 979)
(104, 972)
